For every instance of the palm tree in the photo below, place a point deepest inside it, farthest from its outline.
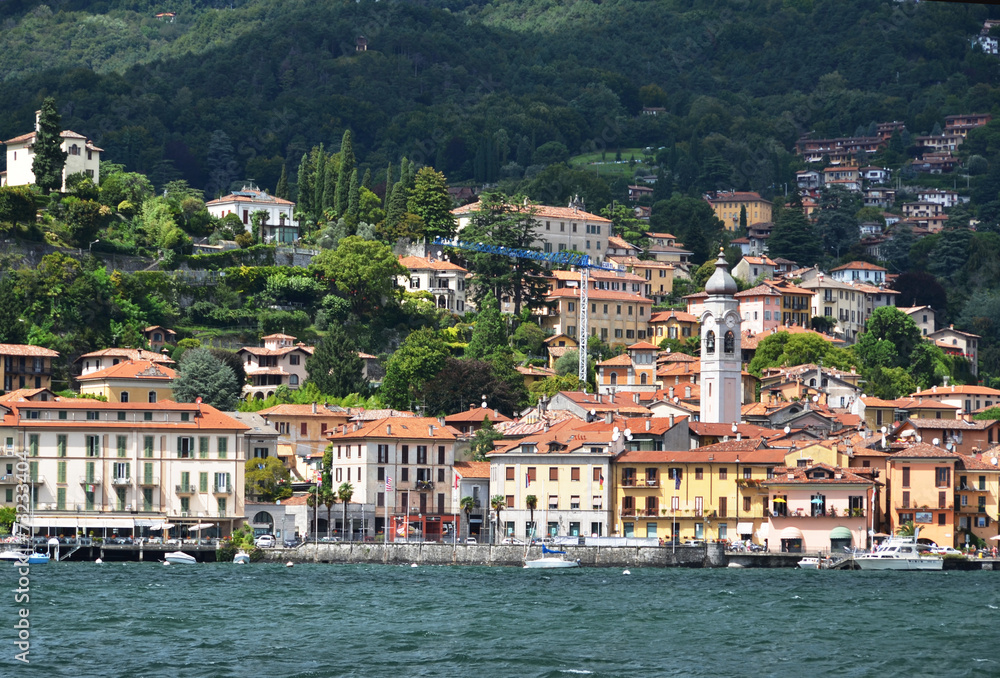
(467, 504)
(906, 529)
(498, 503)
(324, 497)
(344, 493)
(531, 501)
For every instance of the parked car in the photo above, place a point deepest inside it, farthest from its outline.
(512, 540)
(265, 541)
(946, 551)
(329, 540)
(471, 540)
(547, 541)
(292, 542)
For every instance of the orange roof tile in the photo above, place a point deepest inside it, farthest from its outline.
(419, 428)
(28, 351)
(472, 469)
(424, 263)
(132, 369)
(540, 211)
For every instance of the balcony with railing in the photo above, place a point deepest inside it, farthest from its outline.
(640, 483)
(186, 489)
(222, 489)
(149, 481)
(90, 480)
(13, 367)
(8, 479)
(972, 508)
(121, 480)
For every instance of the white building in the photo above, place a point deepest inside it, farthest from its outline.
(122, 466)
(281, 362)
(81, 156)
(720, 349)
(559, 229)
(859, 270)
(943, 198)
(443, 279)
(923, 316)
(279, 223)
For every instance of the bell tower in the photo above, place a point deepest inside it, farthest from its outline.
(721, 366)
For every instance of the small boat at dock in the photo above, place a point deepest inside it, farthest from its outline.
(179, 558)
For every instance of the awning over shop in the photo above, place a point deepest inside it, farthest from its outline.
(841, 532)
(140, 522)
(791, 533)
(83, 522)
(744, 528)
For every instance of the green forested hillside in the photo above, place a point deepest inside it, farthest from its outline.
(475, 89)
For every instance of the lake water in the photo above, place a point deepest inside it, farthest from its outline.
(144, 619)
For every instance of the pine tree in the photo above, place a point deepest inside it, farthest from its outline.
(281, 190)
(202, 375)
(793, 236)
(50, 158)
(743, 218)
(367, 181)
(353, 200)
(344, 177)
(330, 190)
(303, 188)
(319, 179)
(404, 172)
(397, 207)
(429, 200)
(335, 366)
(489, 335)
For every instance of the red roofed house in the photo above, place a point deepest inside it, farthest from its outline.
(673, 325)
(859, 270)
(471, 420)
(443, 279)
(958, 343)
(751, 268)
(405, 465)
(81, 156)
(302, 434)
(967, 398)
(281, 362)
(279, 224)
(618, 313)
(760, 308)
(921, 489)
(629, 372)
(158, 336)
(106, 357)
(24, 366)
(139, 381)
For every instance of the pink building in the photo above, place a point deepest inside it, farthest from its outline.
(816, 507)
(760, 308)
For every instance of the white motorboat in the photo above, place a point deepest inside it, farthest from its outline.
(552, 561)
(180, 558)
(241, 558)
(809, 563)
(17, 556)
(900, 553)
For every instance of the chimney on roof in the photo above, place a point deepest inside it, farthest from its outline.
(388, 429)
(647, 424)
(441, 421)
(314, 408)
(609, 417)
(933, 389)
(671, 421)
(670, 393)
(430, 430)
(946, 377)
(687, 391)
(635, 397)
(952, 388)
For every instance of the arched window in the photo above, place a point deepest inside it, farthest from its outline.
(614, 378)
(812, 382)
(710, 342)
(729, 342)
(124, 397)
(642, 379)
(293, 380)
(152, 396)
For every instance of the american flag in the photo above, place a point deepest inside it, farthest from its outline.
(388, 484)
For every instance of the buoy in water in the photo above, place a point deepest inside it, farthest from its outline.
(165, 562)
(413, 565)
(289, 564)
(98, 561)
(626, 572)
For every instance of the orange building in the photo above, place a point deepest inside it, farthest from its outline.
(631, 371)
(921, 489)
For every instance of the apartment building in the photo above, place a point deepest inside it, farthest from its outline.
(23, 366)
(442, 279)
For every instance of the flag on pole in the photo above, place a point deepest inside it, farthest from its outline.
(527, 479)
(456, 480)
(677, 479)
(388, 484)
(602, 480)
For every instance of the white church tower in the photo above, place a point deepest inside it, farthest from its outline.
(720, 349)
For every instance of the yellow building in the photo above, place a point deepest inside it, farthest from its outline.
(710, 493)
(302, 434)
(24, 366)
(726, 206)
(659, 275)
(672, 325)
(921, 490)
(131, 381)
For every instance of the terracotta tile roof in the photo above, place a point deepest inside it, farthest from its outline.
(563, 437)
(662, 236)
(923, 451)
(926, 423)
(680, 316)
(159, 327)
(540, 212)
(737, 196)
(598, 295)
(643, 346)
(918, 404)
(361, 414)
(878, 402)
(639, 263)
(598, 274)
(129, 369)
(411, 428)
(800, 476)
(259, 196)
(620, 243)
(759, 290)
(423, 264)
(720, 430)
(750, 452)
(671, 357)
(290, 410)
(27, 351)
(761, 261)
(129, 354)
(947, 391)
(622, 360)
(477, 414)
(256, 350)
(206, 416)
(535, 371)
(472, 469)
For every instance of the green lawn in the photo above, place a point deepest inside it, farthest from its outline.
(608, 166)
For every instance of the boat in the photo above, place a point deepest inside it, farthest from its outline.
(34, 558)
(180, 558)
(900, 553)
(241, 558)
(809, 563)
(553, 561)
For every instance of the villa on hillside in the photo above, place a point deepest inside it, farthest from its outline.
(81, 156)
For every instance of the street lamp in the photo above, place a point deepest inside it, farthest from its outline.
(90, 247)
(740, 536)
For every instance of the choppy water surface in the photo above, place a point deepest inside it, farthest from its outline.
(144, 619)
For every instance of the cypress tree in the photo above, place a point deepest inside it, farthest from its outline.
(50, 159)
(397, 207)
(344, 178)
(367, 181)
(303, 188)
(319, 179)
(281, 190)
(330, 190)
(353, 200)
(388, 187)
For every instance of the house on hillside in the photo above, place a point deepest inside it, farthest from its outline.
(81, 156)
(279, 224)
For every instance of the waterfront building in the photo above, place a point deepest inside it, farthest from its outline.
(816, 507)
(921, 490)
(123, 466)
(302, 434)
(401, 464)
(472, 479)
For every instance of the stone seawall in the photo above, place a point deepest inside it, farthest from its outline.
(484, 554)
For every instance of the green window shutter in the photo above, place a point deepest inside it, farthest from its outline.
(61, 445)
(122, 444)
(223, 447)
(33, 444)
(203, 482)
(222, 506)
(147, 446)
(147, 499)
(147, 473)
(33, 470)
(61, 499)
(61, 472)
(128, 469)
(203, 447)
(229, 482)
(90, 471)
